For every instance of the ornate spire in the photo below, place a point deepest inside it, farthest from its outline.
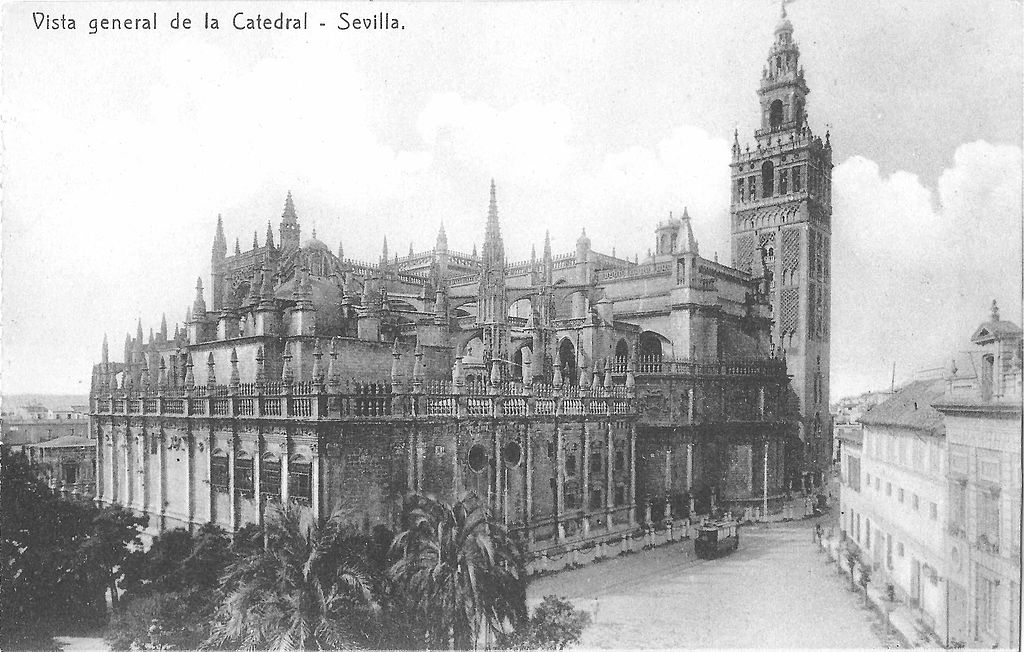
(689, 243)
(162, 377)
(255, 240)
(384, 254)
(270, 236)
(235, 378)
(105, 351)
(341, 251)
(289, 224)
(211, 371)
(318, 369)
(238, 246)
(163, 327)
(287, 374)
(261, 366)
(333, 369)
(995, 310)
(441, 244)
(395, 369)
(417, 366)
(190, 379)
(199, 305)
(220, 244)
(494, 248)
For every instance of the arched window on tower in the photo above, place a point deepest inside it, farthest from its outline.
(775, 114)
(767, 179)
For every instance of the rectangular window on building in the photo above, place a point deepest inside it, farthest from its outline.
(270, 476)
(918, 453)
(888, 489)
(858, 527)
(70, 473)
(796, 179)
(595, 462)
(878, 484)
(752, 187)
(867, 533)
(888, 551)
(300, 476)
(868, 478)
(219, 472)
(957, 508)
(853, 463)
(620, 495)
(899, 494)
(986, 607)
(740, 195)
(620, 460)
(570, 465)
(243, 475)
(988, 519)
(933, 511)
(915, 502)
(572, 498)
(783, 182)
(596, 499)
(933, 457)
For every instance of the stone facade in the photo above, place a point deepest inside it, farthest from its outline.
(577, 394)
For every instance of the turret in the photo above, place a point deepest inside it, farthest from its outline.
(197, 325)
(549, 262)
(302, 316)
(266, 312)
(289, 225)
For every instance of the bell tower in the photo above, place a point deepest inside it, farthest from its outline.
(781, 218)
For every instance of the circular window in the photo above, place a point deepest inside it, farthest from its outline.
(512, 453)
(477, 458)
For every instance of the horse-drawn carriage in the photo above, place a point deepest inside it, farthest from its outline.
(716, 538)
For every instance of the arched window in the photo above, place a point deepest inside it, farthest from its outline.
(219, 470)
(621, 356)
(270, 475)
(776, 114)
(567, 362)
(767, 179)
(300, 478)
(243, 473)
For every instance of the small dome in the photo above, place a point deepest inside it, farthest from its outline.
(315, 245)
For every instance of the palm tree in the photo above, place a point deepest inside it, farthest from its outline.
(461, 574)
(307, 589)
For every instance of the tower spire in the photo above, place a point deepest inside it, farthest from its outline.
(270, 236)
(289, 224)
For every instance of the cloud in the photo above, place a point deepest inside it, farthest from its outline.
(915, 268)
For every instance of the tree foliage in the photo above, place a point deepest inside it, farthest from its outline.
(461, 574)
(59, 557)
(306, 589)
(554, 625)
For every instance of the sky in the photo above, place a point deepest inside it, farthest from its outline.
(122, 147)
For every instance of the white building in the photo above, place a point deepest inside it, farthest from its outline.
(893, 497)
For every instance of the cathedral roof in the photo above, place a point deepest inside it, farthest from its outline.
(326, 298)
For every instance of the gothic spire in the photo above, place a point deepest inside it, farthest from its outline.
(220, 244)
(199, 305)
(384, 254)
(270, 236)
(289, 224)
(163, 327)
(341, 251)
(238, 247)
(105, 355)
(442, 240)
(494, 248)
(689, 244)
(255, 240)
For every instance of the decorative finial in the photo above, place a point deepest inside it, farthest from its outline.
(995, 311)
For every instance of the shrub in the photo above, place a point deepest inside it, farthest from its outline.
(554, 625)
(173, 620)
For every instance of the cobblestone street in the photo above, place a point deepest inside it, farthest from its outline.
(776, 591)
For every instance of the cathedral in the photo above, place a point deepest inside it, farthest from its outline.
(577, 395)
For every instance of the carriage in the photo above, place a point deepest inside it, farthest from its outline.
(716, 538)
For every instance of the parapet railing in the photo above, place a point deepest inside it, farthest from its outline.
(660, 365)
(371, 400)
